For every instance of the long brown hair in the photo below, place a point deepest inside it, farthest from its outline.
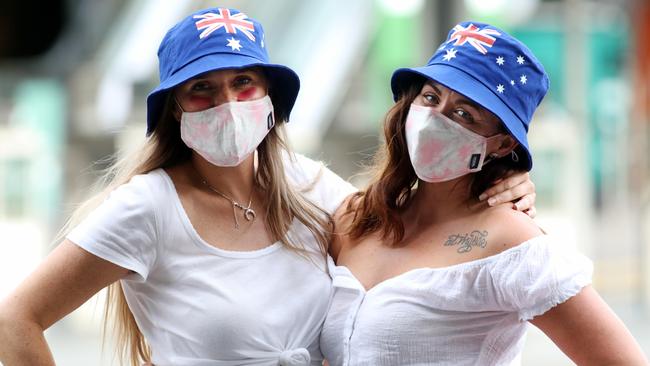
(378, 207)
(164, 148)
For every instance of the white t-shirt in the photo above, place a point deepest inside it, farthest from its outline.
(200, 305)
(473, 313)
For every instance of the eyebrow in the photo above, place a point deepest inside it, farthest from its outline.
(243, 71)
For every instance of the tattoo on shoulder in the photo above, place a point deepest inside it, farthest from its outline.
(466, 242)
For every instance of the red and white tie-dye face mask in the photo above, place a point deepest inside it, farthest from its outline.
(226, 134)
(441, 149)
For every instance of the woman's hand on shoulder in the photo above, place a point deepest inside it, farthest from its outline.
(516, 188)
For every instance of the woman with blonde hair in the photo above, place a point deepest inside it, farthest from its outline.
(213, 239)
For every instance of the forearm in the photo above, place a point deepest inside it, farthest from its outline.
(23, 343)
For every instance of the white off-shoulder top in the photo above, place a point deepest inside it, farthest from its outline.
(473, 313)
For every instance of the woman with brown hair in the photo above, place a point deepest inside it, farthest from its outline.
(428, 274)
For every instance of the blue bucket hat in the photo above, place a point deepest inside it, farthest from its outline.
(493, 69)
(215, 39)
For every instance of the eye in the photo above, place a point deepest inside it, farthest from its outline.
(242, 80)
(466, 116)
(200, 86)
(430, 98)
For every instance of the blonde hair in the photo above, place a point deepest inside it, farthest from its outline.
(164, 148)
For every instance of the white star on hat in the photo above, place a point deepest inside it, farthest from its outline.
(520, 60)
(449, 55)
(523, 79)
(512, 82)
(500, 61)
(501, 88)
(234, 44)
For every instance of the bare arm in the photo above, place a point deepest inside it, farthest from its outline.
(66, 279)
(589, 332)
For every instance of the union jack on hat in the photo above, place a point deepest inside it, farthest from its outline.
(493, 69)
(215, 39)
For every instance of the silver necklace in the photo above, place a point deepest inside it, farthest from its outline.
(249, 213)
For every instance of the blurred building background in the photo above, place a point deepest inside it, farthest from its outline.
(74, 75)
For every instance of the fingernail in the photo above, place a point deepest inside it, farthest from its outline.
(492, 201)
(482, 197)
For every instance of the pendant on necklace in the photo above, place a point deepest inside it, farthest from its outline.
(249, 214)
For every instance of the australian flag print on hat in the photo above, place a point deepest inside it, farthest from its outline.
(215, 39)
(490, 67)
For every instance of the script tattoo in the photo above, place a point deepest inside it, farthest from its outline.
(465, 242)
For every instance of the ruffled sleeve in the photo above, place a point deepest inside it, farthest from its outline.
(538, 275)
(123, 229)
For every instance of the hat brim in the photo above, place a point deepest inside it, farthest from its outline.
(465, 84)
(284, 82)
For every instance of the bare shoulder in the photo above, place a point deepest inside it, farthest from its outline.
(509, 228)
(343, 217)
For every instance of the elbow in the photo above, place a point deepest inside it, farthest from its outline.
(9, 325)
(5, 324)
(17, 335)
(21, 338)
(13, 325)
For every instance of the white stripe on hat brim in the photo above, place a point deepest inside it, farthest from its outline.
(465, 84)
